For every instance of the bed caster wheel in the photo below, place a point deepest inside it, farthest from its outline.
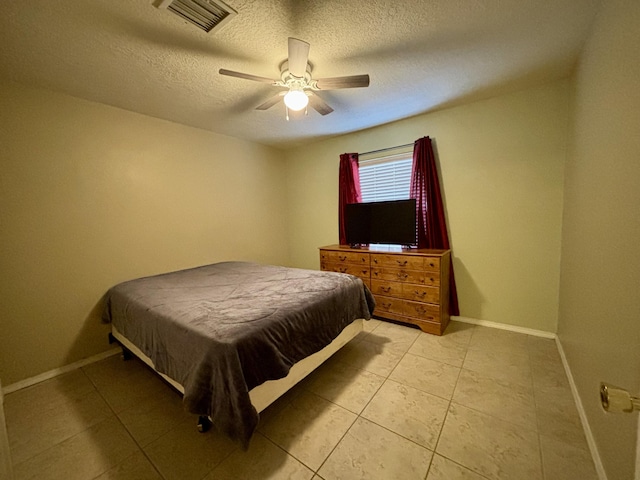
(204, 424)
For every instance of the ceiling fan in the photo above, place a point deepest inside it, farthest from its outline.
(295, 76)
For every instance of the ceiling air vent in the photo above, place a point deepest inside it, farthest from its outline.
(204, 14)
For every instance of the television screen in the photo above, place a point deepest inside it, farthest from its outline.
(392, 222)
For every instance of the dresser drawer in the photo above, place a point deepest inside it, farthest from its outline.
(344, 257)
(432, 264)
(423, 311)
(399, 275)
(381, 287)
(357, 270)
(388, 305)
(420, 293)
(397, 261)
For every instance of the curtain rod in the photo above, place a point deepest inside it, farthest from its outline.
(387, 149)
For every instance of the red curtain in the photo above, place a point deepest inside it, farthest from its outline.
(348, 190)
(432, 224)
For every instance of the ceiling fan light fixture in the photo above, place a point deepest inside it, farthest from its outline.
(295, 99)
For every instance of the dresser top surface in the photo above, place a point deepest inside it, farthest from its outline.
(387, 250)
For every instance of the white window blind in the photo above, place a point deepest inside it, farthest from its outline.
(387, 178)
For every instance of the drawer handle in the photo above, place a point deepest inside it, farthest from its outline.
(343, 269)
(402, 264)
(432, 264)
(375, 260)
(421, 310)
(364, 272)
(385, 289)
(386, 305)
(342, 258)
(403, 276)
(420, 294)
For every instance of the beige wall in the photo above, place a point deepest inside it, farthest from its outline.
(599, 320)
(91, 195)
(502, 162)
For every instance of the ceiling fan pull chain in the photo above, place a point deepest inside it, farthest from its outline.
(286, 109)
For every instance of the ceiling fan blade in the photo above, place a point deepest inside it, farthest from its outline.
(246, 76)
(319, 105)
(271, 102)
(335, 83)
(298, 57)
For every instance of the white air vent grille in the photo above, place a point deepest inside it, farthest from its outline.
(204, 14)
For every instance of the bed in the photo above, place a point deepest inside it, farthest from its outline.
(234, 336)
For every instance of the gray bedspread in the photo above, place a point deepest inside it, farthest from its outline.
(222, 329)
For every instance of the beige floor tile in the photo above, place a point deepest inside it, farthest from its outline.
(499, 340)
(427, 375)
(136, 467)
(186, 454)
(409, 412)
(543, 349)
(458, 332)
(309, 428)
(155, 416)
(378, 358)
(444, 469)
(549, 374)
(508, 401)
(359, 337)
(562, 461)
(81, 457)
(504, 365)
(400, 336)
(344, 385)
(262, 461)
(371, 324)
(556, 411)
(36, 432)
(47, 395)
(370, 452)
(124, 384)
(555, 399)
(562, 425)
(489, 446)
(442, 349)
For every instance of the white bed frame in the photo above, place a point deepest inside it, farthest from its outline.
(264, 395)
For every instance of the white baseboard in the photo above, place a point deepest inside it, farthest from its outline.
(504, 326)
(28, 382)
(602, 475)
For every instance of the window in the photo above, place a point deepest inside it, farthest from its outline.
(386, 178)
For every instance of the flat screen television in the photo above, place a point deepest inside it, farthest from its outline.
(392, 222)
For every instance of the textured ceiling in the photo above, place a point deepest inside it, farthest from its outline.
(420, 55)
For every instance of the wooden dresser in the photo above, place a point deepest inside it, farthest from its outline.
(410, 286)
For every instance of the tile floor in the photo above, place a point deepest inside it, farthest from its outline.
(394, 403)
